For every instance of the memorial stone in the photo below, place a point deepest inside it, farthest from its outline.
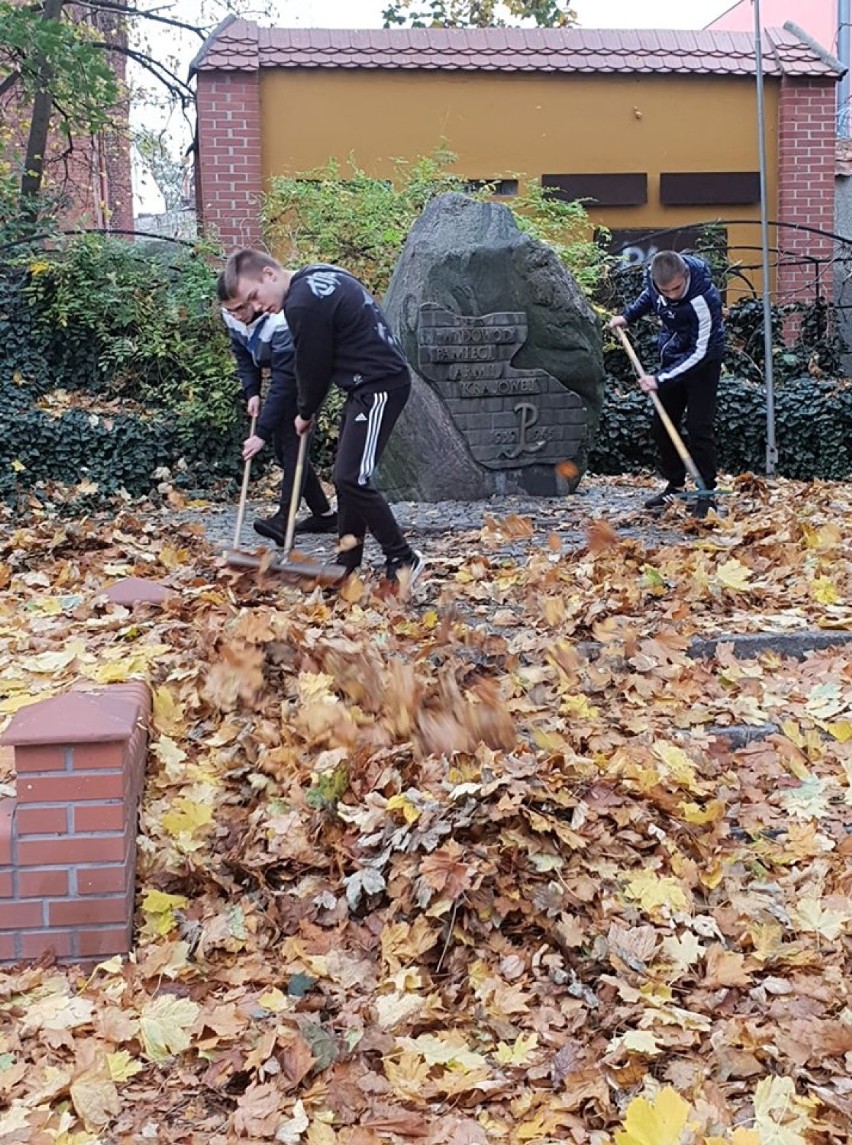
(507, 368)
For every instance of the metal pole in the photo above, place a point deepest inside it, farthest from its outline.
(768, 375)
(843, 56)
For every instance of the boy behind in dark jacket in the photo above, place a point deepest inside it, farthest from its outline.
(259, 340)
(680, 292)
(342, 338)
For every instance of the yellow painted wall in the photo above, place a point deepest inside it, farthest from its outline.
(502, 125)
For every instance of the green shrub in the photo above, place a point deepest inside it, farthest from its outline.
(129, 321)
(361, 223)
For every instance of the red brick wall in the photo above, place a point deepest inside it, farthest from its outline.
(228, 162)
(68, 836)
(806, 126)
(94, 179)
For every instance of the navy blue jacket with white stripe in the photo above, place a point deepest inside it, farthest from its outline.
(693, 331)
(266, 342)
(342, 337)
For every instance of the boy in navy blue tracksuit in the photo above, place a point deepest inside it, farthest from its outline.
(263, 340)
(341, 338)
(680, 292)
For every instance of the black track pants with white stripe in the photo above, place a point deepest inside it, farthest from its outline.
(694, 393)
(365, 425)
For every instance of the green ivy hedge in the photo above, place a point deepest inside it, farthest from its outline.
(813, 419)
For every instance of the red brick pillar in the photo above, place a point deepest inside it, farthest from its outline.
(228, 169)
(806, 125)
(68, 836)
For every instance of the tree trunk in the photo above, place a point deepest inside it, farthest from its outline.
(37, 140)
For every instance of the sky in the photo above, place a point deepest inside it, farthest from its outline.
(590, 13)
(368, 14)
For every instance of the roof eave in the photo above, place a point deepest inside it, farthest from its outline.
(827, 58)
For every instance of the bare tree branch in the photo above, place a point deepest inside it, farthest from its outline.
(109, 6)
(159, 71)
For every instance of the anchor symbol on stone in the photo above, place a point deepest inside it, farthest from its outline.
(529, 416)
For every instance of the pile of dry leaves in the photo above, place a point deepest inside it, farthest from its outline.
(473, 867)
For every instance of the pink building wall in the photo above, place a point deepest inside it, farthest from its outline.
(816, 17)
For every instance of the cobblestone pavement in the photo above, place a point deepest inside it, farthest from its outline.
(618, 501)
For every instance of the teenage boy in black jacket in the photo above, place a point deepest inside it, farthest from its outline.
(258, 340)
(341, 337)
(680, 292)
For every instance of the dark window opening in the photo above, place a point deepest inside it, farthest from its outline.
(709, 188)
(604, 189)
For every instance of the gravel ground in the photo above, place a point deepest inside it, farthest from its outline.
(618, 501)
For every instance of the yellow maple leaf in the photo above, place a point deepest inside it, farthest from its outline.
(121, 668)
(811, 916)
(824, 591)
(402, 803)
(187, 817)
(170, 557)
(451, 1050)
(698, 816)
(48, 606)
(159, 911)
(655, 893)
(660, 1121)
(22, 700)
(579, 706)
(407, 1074)
(315, 687)
(519, 1052)
(173, 759)
(275, 1001)
(682, 951)
(676, 763)
(841, 731)
(17, 465)
(733, 575)
(122, 1065)
(640, 1042)
(164, 1024)
(780, 1115)
(48, 662)
(168, 713)
(95, 1098)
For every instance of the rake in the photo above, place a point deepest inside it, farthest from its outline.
(290, 564)
(683, 453)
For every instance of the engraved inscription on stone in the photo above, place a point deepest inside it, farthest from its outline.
(509, 417)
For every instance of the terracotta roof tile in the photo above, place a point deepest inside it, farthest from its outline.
(241, 44)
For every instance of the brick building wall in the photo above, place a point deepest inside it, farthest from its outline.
(806, 186)
(229, 182)
(93, 178)
(404, 92)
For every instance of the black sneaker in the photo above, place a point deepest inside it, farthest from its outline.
(701, 506)
(669, 495)
(350, 558)
(272, 527)
(415, 563)
(326, 523)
